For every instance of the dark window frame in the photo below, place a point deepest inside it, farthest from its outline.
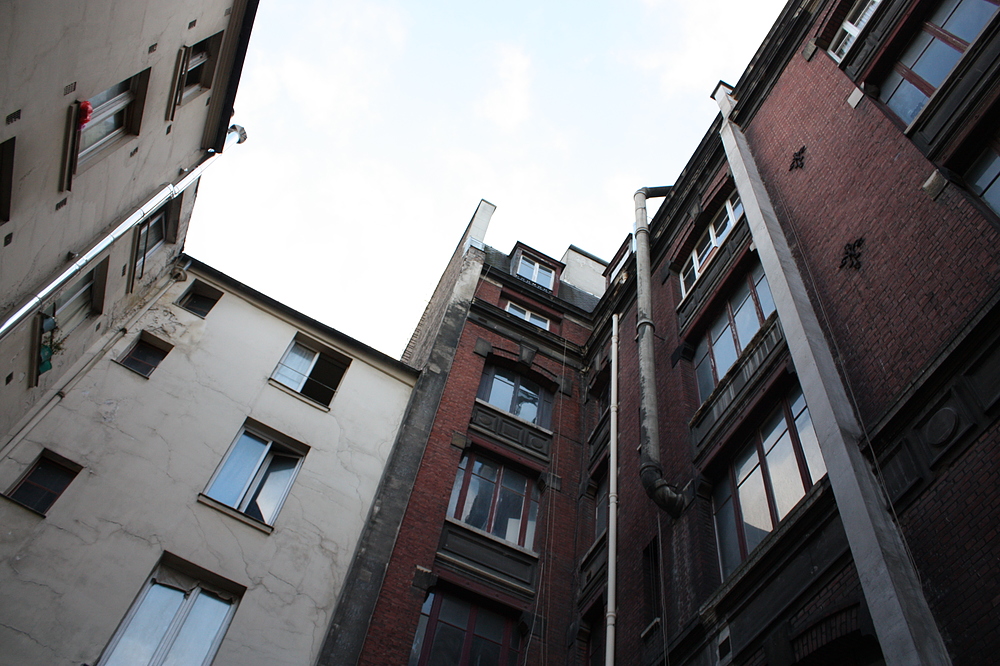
(145, 354)
(431, 622)
(326, 372)
(531, 499)
(543, 414)
(54, 462)
(189, 300)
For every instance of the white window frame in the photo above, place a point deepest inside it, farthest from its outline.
(857, 19)
(534, 267)
(529, 316)
(191, 589)
(283, 379)
(254, 480)
(78, 299)
(712, 239)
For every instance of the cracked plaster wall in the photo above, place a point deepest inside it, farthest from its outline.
(148, 447)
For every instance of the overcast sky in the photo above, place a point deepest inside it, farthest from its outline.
(375, 127)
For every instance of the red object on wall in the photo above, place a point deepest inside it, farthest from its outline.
(86, 111)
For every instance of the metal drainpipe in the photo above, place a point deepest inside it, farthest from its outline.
(650, 471)
(612, 611)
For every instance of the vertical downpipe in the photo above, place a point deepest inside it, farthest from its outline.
(609, 654)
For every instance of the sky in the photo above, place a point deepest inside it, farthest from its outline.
(376, 126)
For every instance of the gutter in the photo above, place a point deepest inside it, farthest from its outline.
(663, 494)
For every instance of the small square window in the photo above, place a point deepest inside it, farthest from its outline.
(314, 374)
(200, 299)
(255, 476)
(44, 483)
(146, 354)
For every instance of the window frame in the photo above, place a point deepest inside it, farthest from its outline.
(731, 483)
(203, 54)
(141, 251)
(847, 35)
(727, 314)
(46, 457)
(907, 75)
(147, 342)
(336, 360)
(543, 414)
(530, 505)
(712, 238)
(199, 289)
(528, 316)
(536, 267)
(255, 480)
(430, 622)
(192, 589)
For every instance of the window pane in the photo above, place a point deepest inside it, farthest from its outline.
(544, 277)
(906, 101)
(294, 368)
(529, 531)
(703, 371)
(273, 486)
(147, 627)
(724, 349)
(447, 647)
(725, 527)
(95, 132)
(43, 485)
(507, 519)
(456, 489)
(477, 502)
(484, 652)
(418, 641)
(785, 477)
(143, 358)
(527, 401)
(764, 296)
(515, 481)
(240, 467)
(983, 172)
(810, 446)
(489, 625)
(772, 429)
(935, 62)
(454, 611)
(194, 642)
(969, 19)
(753, 504)
(324, 378)
(502, 390)
(747, 320)
(526, 269)
(485, 469)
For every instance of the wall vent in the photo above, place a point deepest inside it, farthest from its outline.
(69, 89)
(62, 204)
(13, 117)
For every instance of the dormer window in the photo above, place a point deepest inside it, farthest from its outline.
(530, 269)
(704, 250)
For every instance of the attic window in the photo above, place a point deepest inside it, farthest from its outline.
(532, 270)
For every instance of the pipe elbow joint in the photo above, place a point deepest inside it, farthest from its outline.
(662, 493)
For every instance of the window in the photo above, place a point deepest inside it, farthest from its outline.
(496, 499)
(44, 482)
(747, 308)
(195, 71)
(175, 620)
(770, 474)
(145, 354)
(149, 236)
(528, 315)
(932, 53)
(531, 270)
(601, 507)
(255, 476)
(314, 374)
(200, 298)
(74, 304)
(652, 582)
(704, 250)
(856, 19)
(6, 178)
(109, 116)
(454, 632)
(982, 176)
(509, 391)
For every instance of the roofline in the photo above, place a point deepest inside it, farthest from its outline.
(333, 333)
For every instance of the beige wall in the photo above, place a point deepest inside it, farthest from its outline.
(47, 47)
(148, 447)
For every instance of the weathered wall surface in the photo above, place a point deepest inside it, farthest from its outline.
(148, 448)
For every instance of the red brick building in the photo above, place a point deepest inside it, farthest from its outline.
(810, 394)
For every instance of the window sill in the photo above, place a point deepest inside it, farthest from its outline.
(650, 628)
(23, 506)
(526, 422)
(304, 398)
(119, 363)
(83, 164)
(492, 537)
(230, 511)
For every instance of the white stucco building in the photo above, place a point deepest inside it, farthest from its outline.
(197, 490)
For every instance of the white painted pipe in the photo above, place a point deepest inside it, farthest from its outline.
(609, 647)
